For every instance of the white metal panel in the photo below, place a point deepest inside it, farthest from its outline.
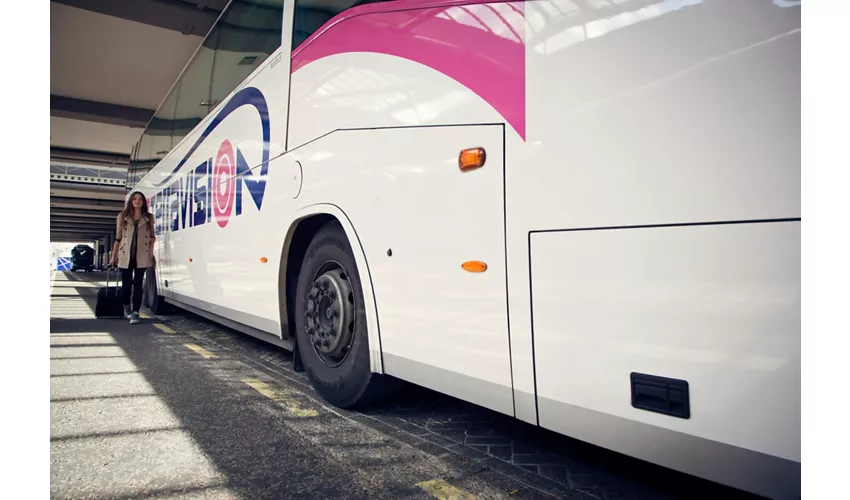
(356, 90)
(402, 191)
(226, 271)
(640, 113)
(716, 305)
(654, 118)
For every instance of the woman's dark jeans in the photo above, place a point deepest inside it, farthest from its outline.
(132, 278)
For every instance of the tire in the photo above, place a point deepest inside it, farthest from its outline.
(339, 368)
(151, 298)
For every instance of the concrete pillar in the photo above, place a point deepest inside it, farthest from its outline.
(108, 249)
(101, 249)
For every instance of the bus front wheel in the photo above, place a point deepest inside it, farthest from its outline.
(330, 323)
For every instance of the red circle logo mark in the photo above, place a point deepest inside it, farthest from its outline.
(223, 177)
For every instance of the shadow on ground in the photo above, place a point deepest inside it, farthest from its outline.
(238, 443)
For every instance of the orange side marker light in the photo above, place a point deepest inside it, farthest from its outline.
(474, 266)
(263, 260)
(190, 259)
(472, 158)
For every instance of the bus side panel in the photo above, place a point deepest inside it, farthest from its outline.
(643, 116)
(418, 218)
(214, 258)
(428, 66)
(716, 306)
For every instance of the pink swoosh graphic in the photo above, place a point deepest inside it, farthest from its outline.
(481, 46)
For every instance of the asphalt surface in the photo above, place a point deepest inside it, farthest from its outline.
(180, 407)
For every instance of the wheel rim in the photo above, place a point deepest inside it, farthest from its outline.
(330, 314)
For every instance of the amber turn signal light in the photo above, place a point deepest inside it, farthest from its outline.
(474, 266)
(263, 260)
(472, 158)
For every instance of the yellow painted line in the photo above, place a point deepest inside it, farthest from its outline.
(200, 350)
(164, 328)
(442, 490)
(281, 398)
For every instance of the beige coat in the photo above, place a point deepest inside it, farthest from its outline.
(125, 227)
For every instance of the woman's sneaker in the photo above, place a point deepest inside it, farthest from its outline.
(134, 318)
(127, 312)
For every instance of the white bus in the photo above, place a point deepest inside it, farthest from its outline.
(581, 213)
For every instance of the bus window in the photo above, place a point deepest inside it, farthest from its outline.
(246, 35)
(310, 15)
(193, 94)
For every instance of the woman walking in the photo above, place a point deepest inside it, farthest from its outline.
(133, 251)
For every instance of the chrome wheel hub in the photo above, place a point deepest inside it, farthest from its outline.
(330, 315)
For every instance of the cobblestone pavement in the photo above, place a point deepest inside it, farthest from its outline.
(440, 424)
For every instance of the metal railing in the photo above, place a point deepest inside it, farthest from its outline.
(88, 174)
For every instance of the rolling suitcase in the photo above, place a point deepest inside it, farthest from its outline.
(109, 300)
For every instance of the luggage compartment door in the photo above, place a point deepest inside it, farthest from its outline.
(674, 344)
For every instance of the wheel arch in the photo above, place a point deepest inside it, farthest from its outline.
(308, 221)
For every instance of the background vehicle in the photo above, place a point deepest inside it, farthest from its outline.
(582, 214)
(82, 258)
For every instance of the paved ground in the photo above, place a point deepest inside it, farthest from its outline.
(179, 407)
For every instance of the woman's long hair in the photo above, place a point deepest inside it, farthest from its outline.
(128, 209)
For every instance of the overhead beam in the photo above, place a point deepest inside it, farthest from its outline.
(82, 229)
(100, 112)
(81, 226)
(83, 223)
(82, 214)
(70, 239)
(73, 237)
(175, 15)
(95, 233)
(83, 236)
(63, 167)
(81, 203)
(89, 157)
(75, 190)
(88, 232)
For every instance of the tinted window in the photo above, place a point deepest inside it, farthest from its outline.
(193, 95)
(310, 15)
(243, 37)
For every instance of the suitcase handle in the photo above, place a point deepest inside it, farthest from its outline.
(108, 268)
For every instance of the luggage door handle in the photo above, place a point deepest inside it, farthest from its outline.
(661, 395)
